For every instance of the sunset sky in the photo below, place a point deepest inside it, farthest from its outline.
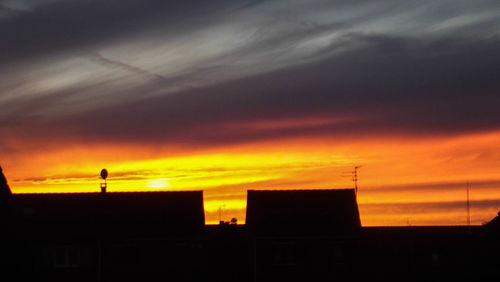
(226, 96)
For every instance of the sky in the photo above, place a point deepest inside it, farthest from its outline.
(227, 96)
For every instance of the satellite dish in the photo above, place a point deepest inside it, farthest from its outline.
(104, 173)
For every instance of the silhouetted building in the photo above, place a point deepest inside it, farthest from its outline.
(290, 235)
(299, 235)
(5, 222)
(136, 213)
(494, 224)
(5, 192)
(96, 236)
(301, 212)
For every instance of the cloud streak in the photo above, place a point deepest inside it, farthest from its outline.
(399, 85)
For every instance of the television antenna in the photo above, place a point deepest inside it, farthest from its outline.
(104, 175)
(355, 178)
(353, 174)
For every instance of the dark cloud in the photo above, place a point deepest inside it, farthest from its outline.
(366, 80)
(428, 207)
(35, 179)
(392, 86)
(415, 187)
(51, 27)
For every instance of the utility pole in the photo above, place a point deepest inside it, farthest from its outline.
(468, 205)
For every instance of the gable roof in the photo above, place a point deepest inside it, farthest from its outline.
(112, 212)
(302, 211)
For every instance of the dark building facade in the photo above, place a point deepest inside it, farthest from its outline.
(290, 235)
(299, 235)
(99, 236)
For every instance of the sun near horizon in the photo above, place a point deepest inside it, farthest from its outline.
(423, 183)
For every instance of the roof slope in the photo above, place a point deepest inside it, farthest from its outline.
(303, 211)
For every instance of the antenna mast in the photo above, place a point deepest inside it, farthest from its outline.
(468, 205)
(355, 178)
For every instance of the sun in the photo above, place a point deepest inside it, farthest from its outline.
(158, 183)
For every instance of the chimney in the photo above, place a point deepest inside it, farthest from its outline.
(103, 188)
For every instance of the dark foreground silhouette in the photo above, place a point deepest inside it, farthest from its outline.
(298, 235)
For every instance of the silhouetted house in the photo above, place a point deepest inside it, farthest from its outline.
(301, 235)
(5, 192)
(5, 218)
(91, 236)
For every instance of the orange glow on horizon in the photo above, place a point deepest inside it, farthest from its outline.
(399, 175)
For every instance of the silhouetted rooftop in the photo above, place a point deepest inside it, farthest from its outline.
(167, 211)
(494, 223)
(303, 211)
(4, 187)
